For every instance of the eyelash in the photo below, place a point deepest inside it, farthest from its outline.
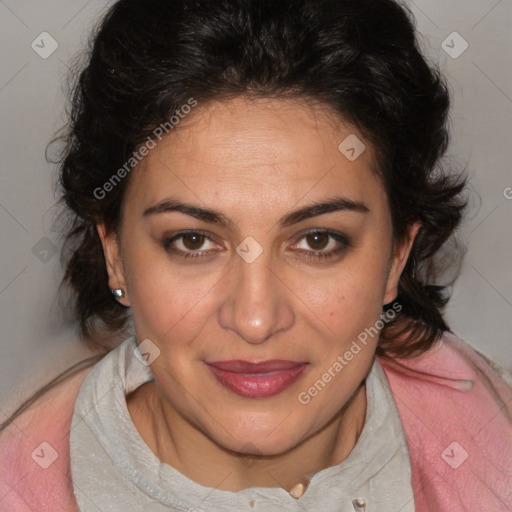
(338, 237)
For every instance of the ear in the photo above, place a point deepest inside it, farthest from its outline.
(397, 263)
(115, 270)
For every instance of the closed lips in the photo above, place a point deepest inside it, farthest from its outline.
(257, 380)
(238, 366)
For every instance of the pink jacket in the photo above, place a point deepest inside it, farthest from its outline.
(455, 409)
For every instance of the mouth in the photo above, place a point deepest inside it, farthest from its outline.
(257, 380)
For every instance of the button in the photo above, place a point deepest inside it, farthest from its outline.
(298, 490)
(359, 505)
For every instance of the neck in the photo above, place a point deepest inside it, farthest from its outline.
(178, 443)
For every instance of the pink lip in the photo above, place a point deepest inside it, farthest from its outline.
(256, 380)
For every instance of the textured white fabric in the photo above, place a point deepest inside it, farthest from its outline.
(113, 469)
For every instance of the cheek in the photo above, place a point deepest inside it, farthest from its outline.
(165, 298)
(347, 299)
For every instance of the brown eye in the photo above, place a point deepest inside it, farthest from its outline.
(193, 241)
(318, 241)
(191, 244)
(322, 244)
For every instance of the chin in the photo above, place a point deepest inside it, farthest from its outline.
(247, 445)
(254, 440)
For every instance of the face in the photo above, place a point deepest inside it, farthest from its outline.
(249, 237)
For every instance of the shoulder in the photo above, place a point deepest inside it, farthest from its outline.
(34, 451)
(456, 411)
(455, 379)
(453, 363)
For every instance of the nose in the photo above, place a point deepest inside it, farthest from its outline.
(258, 304)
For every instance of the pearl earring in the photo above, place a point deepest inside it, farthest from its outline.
(118, 293)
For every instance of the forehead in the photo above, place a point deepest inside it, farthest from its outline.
(257, 150)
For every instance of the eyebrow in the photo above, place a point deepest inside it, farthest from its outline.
(214, 217)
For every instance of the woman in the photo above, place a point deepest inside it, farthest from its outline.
(257, 195)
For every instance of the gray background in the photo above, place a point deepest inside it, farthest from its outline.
(36, 342)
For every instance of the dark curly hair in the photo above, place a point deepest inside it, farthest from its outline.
(361, 58)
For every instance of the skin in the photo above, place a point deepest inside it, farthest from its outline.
(254, 161)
